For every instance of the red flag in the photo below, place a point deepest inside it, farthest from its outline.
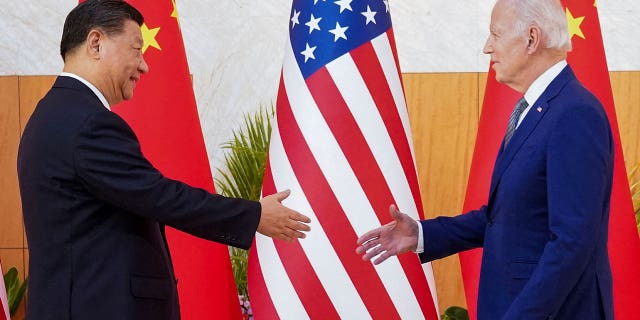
(587, 59)
(164, 116)
(341, 143)
(4, 302)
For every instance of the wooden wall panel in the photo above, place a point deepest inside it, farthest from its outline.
(482, 85)
(444, 110)
(626, 95)
(11, 234)
(13, 258)
(32, 89)
(444, 115)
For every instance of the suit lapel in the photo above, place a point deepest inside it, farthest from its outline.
(528, 125)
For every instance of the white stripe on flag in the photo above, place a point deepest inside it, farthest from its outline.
(277, 281)
(363, 108)
(317, 247)
(325, 149)
(349, 81)
(382, 47)
(343, 182)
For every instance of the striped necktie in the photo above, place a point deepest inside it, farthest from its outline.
(513, 119)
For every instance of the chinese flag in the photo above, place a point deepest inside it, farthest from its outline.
(589, 63)
(164, 116)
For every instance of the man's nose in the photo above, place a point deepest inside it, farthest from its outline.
(143, 67)
(487, 49)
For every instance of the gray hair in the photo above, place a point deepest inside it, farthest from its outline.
(549, 16)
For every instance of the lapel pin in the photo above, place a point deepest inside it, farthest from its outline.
(539, 109)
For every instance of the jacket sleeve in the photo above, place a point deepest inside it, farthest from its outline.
(579, 173)
(110, 164)
(444, 236)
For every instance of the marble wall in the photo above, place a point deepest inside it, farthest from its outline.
(235, 47)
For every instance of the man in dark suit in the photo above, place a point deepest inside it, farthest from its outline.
(544, 227)
(94, 207)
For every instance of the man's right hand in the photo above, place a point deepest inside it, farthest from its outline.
(280, 222)
(394, 238)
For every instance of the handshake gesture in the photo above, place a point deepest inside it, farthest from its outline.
(280, 222)
(396, 237)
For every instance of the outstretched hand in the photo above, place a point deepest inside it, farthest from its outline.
(280, 222)
(396, 237)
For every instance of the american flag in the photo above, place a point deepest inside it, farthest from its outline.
(341, 143)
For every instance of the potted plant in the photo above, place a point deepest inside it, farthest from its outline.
(15, 289)
(241, 177)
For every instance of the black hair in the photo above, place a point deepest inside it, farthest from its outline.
(107, 15)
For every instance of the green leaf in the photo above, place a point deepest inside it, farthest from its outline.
(455, 313)
(242, 174)
(15, 289)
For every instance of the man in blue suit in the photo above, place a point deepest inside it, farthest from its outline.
(94, 207)
(544, 226)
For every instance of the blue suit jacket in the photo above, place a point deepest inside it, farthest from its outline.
(544, 228)
(95, 210)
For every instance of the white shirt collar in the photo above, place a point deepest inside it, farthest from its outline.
(91, 86)
(540, 85)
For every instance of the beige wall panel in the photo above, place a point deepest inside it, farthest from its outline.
(626, 95)
(443, 109)
(10, 209)
(32, 89)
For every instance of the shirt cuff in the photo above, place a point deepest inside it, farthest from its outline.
(420, 247)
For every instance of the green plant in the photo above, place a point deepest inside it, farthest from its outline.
(244, 165)
(635, 191)
(15, 289)
(455, 313)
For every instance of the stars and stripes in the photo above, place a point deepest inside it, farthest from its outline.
(341, 143)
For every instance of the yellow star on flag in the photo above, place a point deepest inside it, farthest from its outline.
(174, 14)
(595, 3)
(574, 25)
(149, 37)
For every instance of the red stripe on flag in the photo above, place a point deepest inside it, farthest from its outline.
(330, 214)
(351, 140)
(374, 78)
(355, 148)
(261, 303)
(359, 155)
(305, 281)
(392, 41)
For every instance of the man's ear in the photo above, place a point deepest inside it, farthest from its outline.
(534, 40)
(94, 40)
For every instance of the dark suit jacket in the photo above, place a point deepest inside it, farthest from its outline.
(94, 213)
(544, 229)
